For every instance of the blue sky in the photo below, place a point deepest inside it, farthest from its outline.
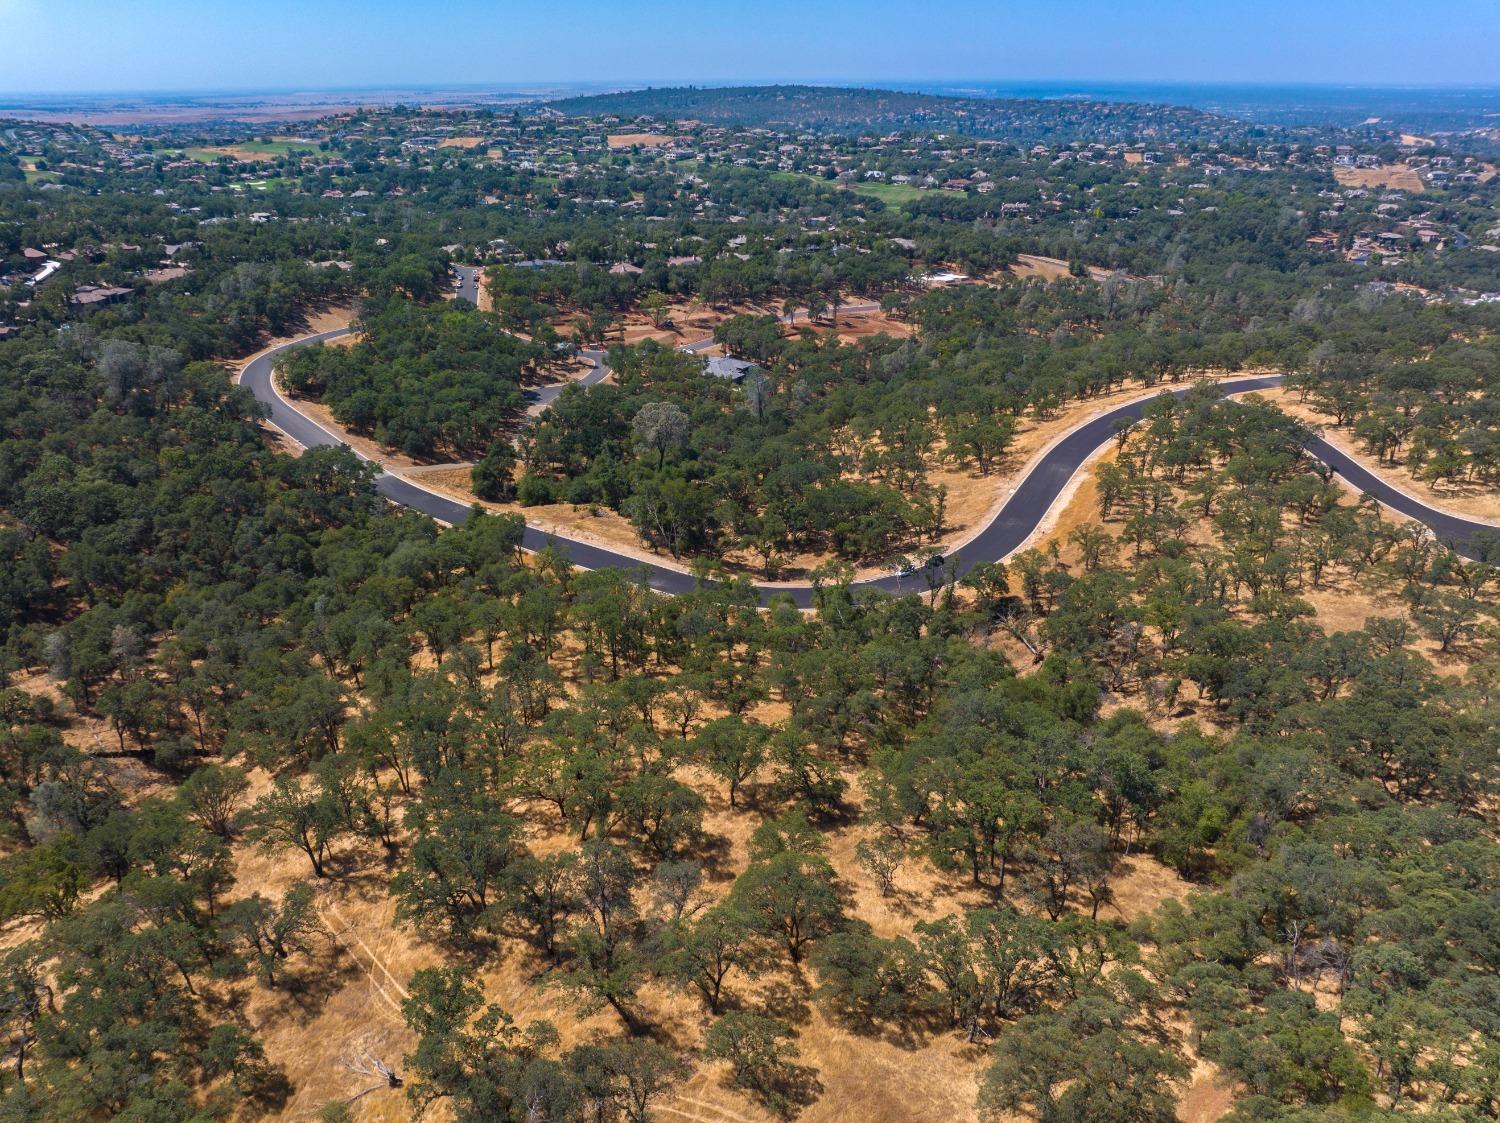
(71, 45)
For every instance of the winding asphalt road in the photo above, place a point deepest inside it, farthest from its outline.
(1006, 533)
(468, 289)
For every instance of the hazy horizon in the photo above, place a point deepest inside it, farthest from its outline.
(956, 86)
(176, 47)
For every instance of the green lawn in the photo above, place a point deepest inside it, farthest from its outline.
(251, 149)
(891, 194)
(897, 194)
(29, 170)
(277, 147)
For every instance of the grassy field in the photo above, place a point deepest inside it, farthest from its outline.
(250, 150)
(898, 194)
(891, 194)
(29, 170)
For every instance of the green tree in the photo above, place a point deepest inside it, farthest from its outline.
(493, 475)
(468, 1052)
(1083, 1064)
(760, 1051)
(794, 898)
(705, 952)
(294, 813)
(272, 933)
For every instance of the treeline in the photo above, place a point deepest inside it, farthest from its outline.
(245, 280)
(1020, 121)
(830, 448)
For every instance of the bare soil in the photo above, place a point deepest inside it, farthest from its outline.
(1031, 265)
(643, 140)
(694, 322)
(1396, 176)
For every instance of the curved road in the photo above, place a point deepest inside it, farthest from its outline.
(468, 289)
(997, 540)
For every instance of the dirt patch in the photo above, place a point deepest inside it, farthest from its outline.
(486, 297)
(247, 155)
(599, 526)
(462, 142)
(1396, 176)
(856, 326)
(317, 320)
(1207, 1098)
(692, 322)
(1031, 265)
(684, 322)
(643, 140)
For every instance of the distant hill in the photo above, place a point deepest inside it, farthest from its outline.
(1023, 121)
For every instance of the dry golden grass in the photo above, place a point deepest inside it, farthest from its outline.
(93, 736)
(643, 140)
(1461, 497)
(1031, 266)
(349, 990)
(343, 999)
(1044, 268)
(462, 142)
(347, 995)
(1141, 885)
(1396, 176)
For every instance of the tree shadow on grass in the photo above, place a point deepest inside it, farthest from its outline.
(301, 993)
(786, 1002)
(715, 855)
(784, 1089)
